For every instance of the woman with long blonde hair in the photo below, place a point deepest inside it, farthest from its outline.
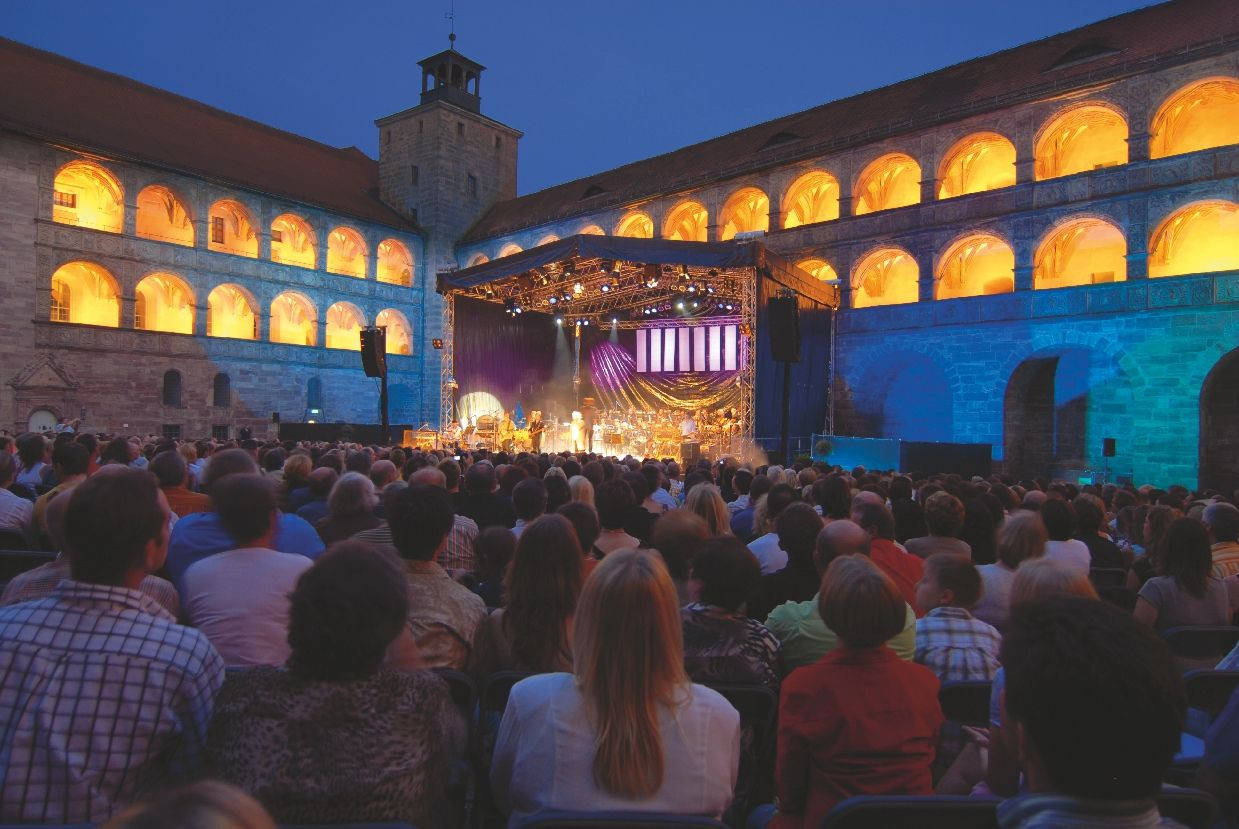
(707, 501)
(626, 730)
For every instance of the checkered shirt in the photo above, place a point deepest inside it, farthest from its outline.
(103, 698)
(955, 646)
(42, 580)
(457, 553)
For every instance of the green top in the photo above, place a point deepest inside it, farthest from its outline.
(806, 639)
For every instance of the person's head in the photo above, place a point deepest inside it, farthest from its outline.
(630, 666)
(741, 481)
(615, 501)
(948, 580)
(1059, 518)
(1222, 519)
(839, 538)
(207, 804)
(874, 518)
(678, 536)
(798, 525)
(32, 450)
(70, 460)
(1044, 578)
(383, 473)
(944, 514)
(529, 499)
(725, 573)
(420, 517)
(246, 505)
(227, 462)
(451, 473)
(169, 468)
(1186, 557)
(116, 527)
(345, 611)
(274, 459)
(1090, 514)
(543, 584)
(860, 603)
(480, 479)
(581, 489)
(584, 519)
(1021, 537)
(320, 482)
(707, 501)
(358, 461)
(352, 495)
(493, 549)
(8, 469)
(1094, 698)
(296, 469)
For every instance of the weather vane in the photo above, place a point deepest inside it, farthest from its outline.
(451, 15)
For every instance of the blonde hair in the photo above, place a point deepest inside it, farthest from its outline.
(581, 489)
(209, 804)
(707, 501)
(1043, 578)
(1021, 538)
(629, 662)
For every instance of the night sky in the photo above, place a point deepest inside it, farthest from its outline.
(592, 84)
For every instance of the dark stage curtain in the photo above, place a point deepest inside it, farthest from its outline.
(809, 377)
(511, 358)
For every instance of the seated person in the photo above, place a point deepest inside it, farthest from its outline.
(584, 520)
(319, 483)
(1090, 530)
(173, 474)
(721, 643)
(949, 641)
(493, 550)
(742, 519)
(944, 518)
(615, 501)
(529, 499)
(1021, 538)
(350, 509)
(1186, 593)
(796, 528)
(904, 569)
(640, 521)
(16, 513)
(1060, 524)
(770, 554)
(336, 736)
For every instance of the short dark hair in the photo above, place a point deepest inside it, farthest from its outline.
(420, 517)
(1079, 675)
(1222, 519)
(529, 499)
(584, 519)
(958, 574)
(169, 467)
(227, 462)
(110, 520)
(614, 500)
(640, 487)
(944, 514)
(797, 526)
(878, 518)
(480, 478)
(678, 537)
(245, 505)
(1089, 516)
(345, 611)
(728, 571)
(834, 496)
(779, 498)
(451, 471)
(72, 458)
(358, 461)
(8, 468)
(274, 459)
(741, 481)
(1059, 518)
(321, 481)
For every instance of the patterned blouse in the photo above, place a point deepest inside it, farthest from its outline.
(722, 646)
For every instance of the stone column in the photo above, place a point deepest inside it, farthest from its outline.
(1137, 147)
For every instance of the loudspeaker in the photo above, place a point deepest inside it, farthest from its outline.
(1107, 447)
(374, 351)
(784, 323)
(690, 451)
(275, 417)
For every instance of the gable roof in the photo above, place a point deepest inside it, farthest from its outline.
(1118, 46)
(50, 97)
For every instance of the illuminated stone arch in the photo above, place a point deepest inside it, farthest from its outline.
(399, 332)
(294, 320)
(344, 324)
(395, 263)
(979, 162)
(477, 259)
(546, 240)
(591, 230)
(509, 249)
(162, 216)
(979, 264)
(85, 293)
(747, 209)
(163, 302)
(346, 253)
(886, 276)
(87, 195)
(1198, 238)
(1080, 139)
(1081, 251)
(819, 268)
(232, 312)
(1199, 116)
(635, 225)
(687, 222)
(231, 229)
(894, 180)
(812, 198)
(292, 241)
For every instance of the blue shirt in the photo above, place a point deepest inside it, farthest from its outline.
(202, 534)
(1222, 741)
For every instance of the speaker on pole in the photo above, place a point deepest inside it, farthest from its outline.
(1107, 447)
(374, 351)
(784, 324)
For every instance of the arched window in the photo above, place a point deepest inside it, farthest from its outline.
(164, 303)
(232, 312)
(87, 195)
(976, 265)
(1199, 238)
(747, 210)
(344, 324)
(293, 320)
(1199, 116)
(395, 265)
(546, 240)
(982, 161)
(399, 332)
(292, 242)
(85, 293)
(1081, 252)
(509, 249)
(231, 229)
(162, 216)
(172, 389)
(687, 223)
(819, 268)
(1081, 139)
(314, 393)
(477, 259)
(221, 391)
(591, 230)
(894, 180)
(346, 253)
(635, 225)
(887, 276)
(812, 198)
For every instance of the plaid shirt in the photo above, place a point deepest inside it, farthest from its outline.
(41, 582)
(956, 646)
(104, 699)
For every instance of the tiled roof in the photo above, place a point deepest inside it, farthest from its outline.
(51, 97)
(1110, 48)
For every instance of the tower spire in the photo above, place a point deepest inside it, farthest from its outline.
(451, 17)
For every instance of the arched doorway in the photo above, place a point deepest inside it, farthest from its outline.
(1045, 413)
(42, 420)
(1219, 426)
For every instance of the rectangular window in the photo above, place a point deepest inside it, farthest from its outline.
(217, 230)
(386, 136)
(61, 199)
(421, 126)
(460, 127)
(471, 186)
(498, 142)
(413, 214)
(172, 431)
(220, 431)
(277, 236)
(414, 174)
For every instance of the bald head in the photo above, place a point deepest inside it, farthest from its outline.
(429, 475)
(867, 497)
(839, 538)
(1034, 499)
(383, 473)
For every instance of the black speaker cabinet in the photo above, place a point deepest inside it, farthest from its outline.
(374, 351)
(784, 325)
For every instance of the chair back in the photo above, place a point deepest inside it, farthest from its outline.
(1201, 642)
(758, 707)
(1108, 577)
(910, 812)
(496, 688)
(1191, 807)
(1210, 690)
(615, 820)
(463, 689)
(966, 701)
(13, 540)
(1120, 596)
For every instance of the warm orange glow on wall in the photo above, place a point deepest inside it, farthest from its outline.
(687, 222)
(87, 195)
(591, 230)
(891, 181)
(812, 198)
(292, 242)
(161, 216)
(1081, 139)
(980, 162)
(344, 324)
(747, 210)
(820, 268)
(546, 240)
(635, 225)
(477, 259)
(85, 293)
(1081, 252)
(231, 313)
(509, 249)
(977, 265)
(346, 253)
(1201, 115)
(395, 264)
(1198, 238)
(399, 332)
(887, 276)
(231, 230)
(163, 302)
(293, 320)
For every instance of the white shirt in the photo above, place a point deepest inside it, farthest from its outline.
(771, 556)
(687, 427)
(544, 753)
(239, 599)
(15, 513)
(1072, 552)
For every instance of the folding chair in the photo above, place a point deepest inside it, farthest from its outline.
(903, 812)
(464, 783)
(1210, 690)
(615, 820)
(966, 702)
(758, 707)
(1201, 643)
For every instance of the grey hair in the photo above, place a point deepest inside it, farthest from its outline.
(353, 493)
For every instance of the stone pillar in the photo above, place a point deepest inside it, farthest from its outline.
(776, 211)
(1137, 147)
(1024, 251)
(929, 187)
(925, 272)
(845, 205)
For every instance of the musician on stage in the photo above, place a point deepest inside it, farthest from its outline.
(589, 413)
(536, 428)
(574, 431)
(688, 427)
(507, 432)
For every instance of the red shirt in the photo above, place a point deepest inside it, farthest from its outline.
(904, 569)
(856, 722)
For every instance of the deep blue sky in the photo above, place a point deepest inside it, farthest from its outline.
(592, 84)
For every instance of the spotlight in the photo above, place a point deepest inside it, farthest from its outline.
(490, 292)
(605, 288)
(694, 303)
(510, 307)
(553, 300)
(692, 287)
(709, 289)
(614, 320)
(652, 282)
(679, 306)
(559, 320)
(567, 297)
